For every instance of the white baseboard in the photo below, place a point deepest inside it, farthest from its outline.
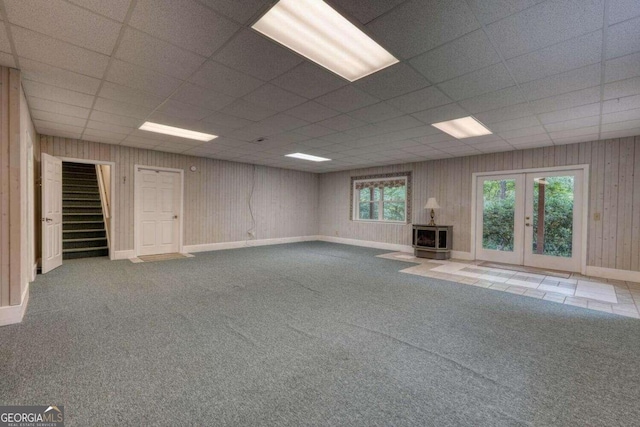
(613, 273)
(14, 313)
(462, 255)
(367, 243)
(245, 243)
(124, 254)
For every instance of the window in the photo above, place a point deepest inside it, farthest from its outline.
(381, 198)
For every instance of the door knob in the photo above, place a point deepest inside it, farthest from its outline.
(528, 225)
(47, 219)
(175, 217)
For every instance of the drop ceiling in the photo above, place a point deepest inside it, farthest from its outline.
(537, 73)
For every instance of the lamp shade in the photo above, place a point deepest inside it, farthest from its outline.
(432, 204)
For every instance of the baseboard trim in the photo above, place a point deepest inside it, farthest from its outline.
(12, 314)
(467, 256)
(124, 254)
(614, 273)
(246, 243)
(367, 243)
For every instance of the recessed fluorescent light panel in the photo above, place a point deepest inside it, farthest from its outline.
(182, 133)
(465, 127)
(316, 31)
(307, 157)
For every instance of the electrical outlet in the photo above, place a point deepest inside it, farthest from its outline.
(596, 216)
(337, 234)
(251, 234)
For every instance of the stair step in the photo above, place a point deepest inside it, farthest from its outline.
(79, 185)
(97, 248)
(89, 233)
(84, 243)
(84, 196)
(79, 199)
(85, 254)
(81, 225)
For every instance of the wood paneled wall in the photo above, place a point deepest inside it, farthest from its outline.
(12, 221)
(614, 194)
(216, 195)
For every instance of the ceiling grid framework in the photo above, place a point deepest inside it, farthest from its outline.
(535, 72)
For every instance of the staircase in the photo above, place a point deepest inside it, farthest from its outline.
(83, 230)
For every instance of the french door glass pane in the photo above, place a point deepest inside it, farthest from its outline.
(498, 215)
(553, 215)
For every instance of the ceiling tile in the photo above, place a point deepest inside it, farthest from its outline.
(621, 104)
(227, 121)
(347, 99)
(417, 26)
(201, 97)
(477, 83)
(573, 124)
(621, 116)
(57, 118)
(507, 125)
(468, 53)
(618, 134)
(185, 23)
(109, 127)
(366, 10)
(342, 122)
(392, 81)
(494, 146)
(122, 108)
(65, 21)
(274, 98)
(505, 113)
(59, 54)
(561, 83)
(493, 100)
(57, 94)
(573, 133)
(631, 124)
(114, 9)
(225, 80)
(376, 112)
(44, 129)
(103, 135)
(622, 88)
(567, 100)
(5, 46)
(6, 60)
(121, 93)
(277, 124)
(184, 111)
(315, 131)
(39, 124)
(312, 112)
(561, 57)
(570, 113)
(517, 133)
(297, 80)
(545, 24)
(142, 79)
(622, 68)
(255, 55)
(489, 11)
(441, 114)
(538, 138)
(399, 123)
(43, 73)
(420, 100)
(101, 116)
(143, 50)
(241, 11)
(622, 38)
(57, 108)
(246, 110)
(621, 10)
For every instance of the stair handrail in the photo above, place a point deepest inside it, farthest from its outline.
(105, 202)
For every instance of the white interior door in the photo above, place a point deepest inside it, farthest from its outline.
(532, 219)
(51, 213)
(158, 204)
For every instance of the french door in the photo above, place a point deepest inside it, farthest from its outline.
(533, 219)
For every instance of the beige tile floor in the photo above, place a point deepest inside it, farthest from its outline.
(613, 296)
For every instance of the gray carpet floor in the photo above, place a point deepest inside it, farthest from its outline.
(310, 334)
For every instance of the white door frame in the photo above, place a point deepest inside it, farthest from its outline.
(51, 219)
(136, 238)
(112, 197)
(585, 203)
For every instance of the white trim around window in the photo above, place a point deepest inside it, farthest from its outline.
(377, 199)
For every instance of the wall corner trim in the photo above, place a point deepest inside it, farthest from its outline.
(12, 314)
